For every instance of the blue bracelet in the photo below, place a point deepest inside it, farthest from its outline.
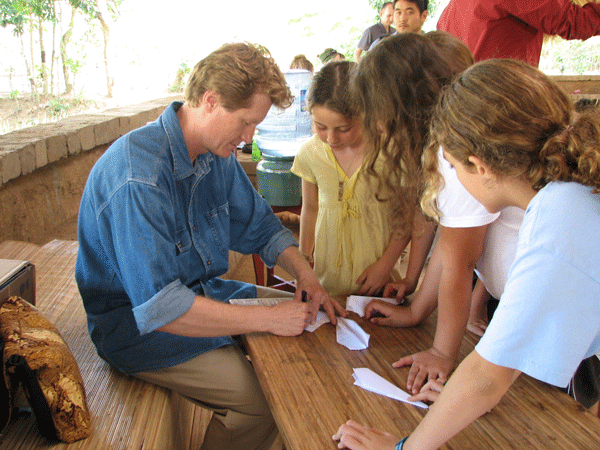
(400, 444)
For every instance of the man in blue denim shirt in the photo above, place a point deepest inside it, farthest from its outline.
(160, 212)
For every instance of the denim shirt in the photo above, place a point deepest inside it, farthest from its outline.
(154, 231)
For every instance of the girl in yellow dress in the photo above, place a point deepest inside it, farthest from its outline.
(344, 229)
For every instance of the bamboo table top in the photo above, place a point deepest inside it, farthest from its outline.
(308, 383)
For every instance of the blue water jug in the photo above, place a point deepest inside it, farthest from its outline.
(284, 131)
(279, 138)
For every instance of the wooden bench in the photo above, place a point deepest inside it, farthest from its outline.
(126, 413)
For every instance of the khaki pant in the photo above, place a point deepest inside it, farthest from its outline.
(224, 381)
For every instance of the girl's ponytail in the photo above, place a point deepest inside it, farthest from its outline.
(572, 155)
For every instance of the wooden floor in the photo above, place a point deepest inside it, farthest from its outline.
(127, 414)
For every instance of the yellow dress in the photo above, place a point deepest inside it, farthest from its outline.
(352, 229)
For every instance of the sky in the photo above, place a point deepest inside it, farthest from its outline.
(152, 38)
(187, 31)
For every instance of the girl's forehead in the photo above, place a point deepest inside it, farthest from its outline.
(326, 116)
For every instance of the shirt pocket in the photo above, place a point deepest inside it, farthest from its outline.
(183, 241)
(218, 222)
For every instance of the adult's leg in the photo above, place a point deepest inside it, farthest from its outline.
(223, 380)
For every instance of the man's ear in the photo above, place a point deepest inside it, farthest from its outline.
(210, 100)
(482, 168)
(424, 15)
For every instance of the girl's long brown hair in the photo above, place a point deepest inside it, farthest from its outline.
(396, 86)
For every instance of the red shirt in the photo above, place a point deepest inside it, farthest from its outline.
(515, 28)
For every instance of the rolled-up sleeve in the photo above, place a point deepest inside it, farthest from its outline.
(278, 243)
(167, 305)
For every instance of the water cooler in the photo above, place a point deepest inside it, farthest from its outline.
(279, 138)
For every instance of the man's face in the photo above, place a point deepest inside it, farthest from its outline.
(407, 17)
(229, 128)
(387, 15)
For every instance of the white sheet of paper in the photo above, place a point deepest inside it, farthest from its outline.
(357, 303)
(351, 335)
(264, 301)
(369, 380)
(320, 320)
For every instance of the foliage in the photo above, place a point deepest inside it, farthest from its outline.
(179, 83)
(570, 57)
(12, 12)
(60, 106)
(57, 107)
(17, 12)
(73, 65)
(436, 6)
(14, 94)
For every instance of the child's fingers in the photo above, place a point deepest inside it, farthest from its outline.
(404, 361)
(400, 292)
(433, 385)
(416, 378)
(362, 278)
(390, 289)
(382, 321)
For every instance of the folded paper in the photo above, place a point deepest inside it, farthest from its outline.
(358, 303)
(348, 332)
(351, 335)
(369, 380)
(320, 320)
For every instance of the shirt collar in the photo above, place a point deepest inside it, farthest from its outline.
(182, 166)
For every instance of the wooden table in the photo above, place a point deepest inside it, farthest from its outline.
(308, 383)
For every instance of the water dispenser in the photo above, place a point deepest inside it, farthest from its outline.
(279, 138)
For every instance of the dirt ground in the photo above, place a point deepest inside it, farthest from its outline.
(29, 110)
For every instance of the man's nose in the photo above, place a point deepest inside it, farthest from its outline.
(248, 134)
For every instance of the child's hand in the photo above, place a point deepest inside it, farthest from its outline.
(373, 279)
(428, 365)
(430, 392)
(398, 290)
(388, 315)
(355, 436)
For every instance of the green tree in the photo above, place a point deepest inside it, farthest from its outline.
(106, 12)
(35, 15)
(69, 65)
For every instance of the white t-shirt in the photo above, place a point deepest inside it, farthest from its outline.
(459, 209)
(548, 319)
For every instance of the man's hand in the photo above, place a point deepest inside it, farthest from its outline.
(294, 263)
(289, 318)
(428, 365)
(355, 436)
(317, 297)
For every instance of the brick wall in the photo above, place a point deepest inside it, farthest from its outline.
(43, 169)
